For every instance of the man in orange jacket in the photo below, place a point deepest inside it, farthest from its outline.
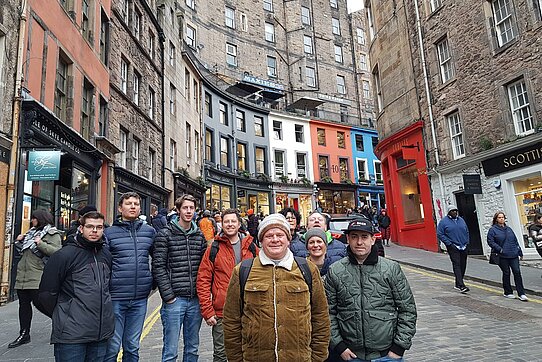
(228, 249)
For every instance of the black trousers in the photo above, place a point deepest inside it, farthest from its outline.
(26, 297)
(459, 264)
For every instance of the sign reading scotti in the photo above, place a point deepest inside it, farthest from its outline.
(522, 157)
(43, 165)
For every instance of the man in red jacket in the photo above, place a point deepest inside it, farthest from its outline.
(228, 249)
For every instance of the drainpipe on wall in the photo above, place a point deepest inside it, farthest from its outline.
(428, 96)
(5, 251)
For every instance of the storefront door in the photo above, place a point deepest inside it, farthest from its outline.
(467, 210)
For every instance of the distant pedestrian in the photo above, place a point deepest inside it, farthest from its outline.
(371, 306)
(252, 224)
(159, 221)
(74, 292)
(535, 231)
(207, 225)
(218, 220)
(384, 223)
(36, 246)
(297, 245)
(502, 240)
(178, 250)
(453, 232)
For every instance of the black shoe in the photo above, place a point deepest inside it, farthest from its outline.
(23, 338)
(464, 290)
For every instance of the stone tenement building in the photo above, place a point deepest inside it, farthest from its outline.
(287, 55)
(135, 111)
(457, 86)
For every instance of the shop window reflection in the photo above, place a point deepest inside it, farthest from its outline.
(336, 202)
(413, 212)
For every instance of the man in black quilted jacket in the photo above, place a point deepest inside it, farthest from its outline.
(371, 307)
(178, 249)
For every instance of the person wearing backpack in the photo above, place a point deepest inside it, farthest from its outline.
(276, 307)
(216, 267)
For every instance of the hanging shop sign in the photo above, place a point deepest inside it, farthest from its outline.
(43, 165)
(472, 184)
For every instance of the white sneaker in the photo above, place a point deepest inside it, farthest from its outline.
(510, 296)
(523, 298)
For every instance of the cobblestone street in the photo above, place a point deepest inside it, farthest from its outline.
(479, 326)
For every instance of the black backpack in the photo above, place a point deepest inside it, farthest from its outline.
(246, 265)
(216, 245)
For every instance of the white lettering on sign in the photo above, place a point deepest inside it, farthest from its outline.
(55, 136)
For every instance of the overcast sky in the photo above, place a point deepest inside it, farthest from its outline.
(354, 5)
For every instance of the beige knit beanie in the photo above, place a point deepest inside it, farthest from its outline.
(274, 221)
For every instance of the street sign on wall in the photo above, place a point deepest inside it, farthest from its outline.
(43, 165)
(472, 184)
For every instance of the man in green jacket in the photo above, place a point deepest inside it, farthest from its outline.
(371, 307)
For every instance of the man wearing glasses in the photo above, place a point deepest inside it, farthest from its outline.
(130, 242)
(74, 292)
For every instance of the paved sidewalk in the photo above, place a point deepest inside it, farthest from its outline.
(478, 269)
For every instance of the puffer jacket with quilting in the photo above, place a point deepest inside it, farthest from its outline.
(176, 259)
(130, 244)
(371, 307)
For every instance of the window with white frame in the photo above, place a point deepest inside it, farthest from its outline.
(279, 163)
(504, 23)
(244, 21)
(445, 60)
(305, 15)
(172, 155)
(539, 4)
(152, 40)
(335, 26)
(241, 156)
(196, 146)
(301, 164)
(360, 36)
(172, 98)
(126, 11)
(191, 3)
(366, 89)
(135, 87)
(240, 121)
(123, 75)
(341, 87)
(435, 4)
(338, 53)
(333, 4)
(230, 17)
(271, 66)
(310, 75)
(258, 126)
(151, 165)
(223, 113)
(231, 54)
(323, 166)
(378, 170)
(363, 62)
(520, 108)
(136, 144)
(123, 145)
(224, 151)
(307, 44)
(172, 52)
(152, 103)
(379, 99)
(260, 160)
(209, 155)
(188, 132)
(190, 36)
(362, 169)
(268, 5)
(269, 32)
(456, 135)
(137, 24)
(299, 134)
(277, 130)
(370, 21)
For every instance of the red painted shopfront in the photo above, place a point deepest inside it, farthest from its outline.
(406, 185)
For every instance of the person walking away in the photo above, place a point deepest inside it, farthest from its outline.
(384, 223)
(130, 242)
(371, 306)
(178, 250)
(74, 292)
(297, 245)
(317, 248)
(252, 224)
(40, 242)
(227, 250)
(453, 232)
(502, 240)
(207, 226)
(279, 312)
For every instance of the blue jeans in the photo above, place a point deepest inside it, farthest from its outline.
(183, 312)
(511, 263)
(80, 352)
(129, 320)
(381, 359)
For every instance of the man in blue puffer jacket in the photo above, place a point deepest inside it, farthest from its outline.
(454, 233)
(130, 242)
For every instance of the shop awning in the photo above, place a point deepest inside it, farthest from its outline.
(306, 103)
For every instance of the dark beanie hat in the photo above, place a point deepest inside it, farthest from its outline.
(86, 209)
(315, 232)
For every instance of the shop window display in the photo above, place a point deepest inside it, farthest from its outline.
(336, 202)
(528, 193)
(410, 195)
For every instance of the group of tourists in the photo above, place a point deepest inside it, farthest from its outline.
(287, 296)
(505, 249)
